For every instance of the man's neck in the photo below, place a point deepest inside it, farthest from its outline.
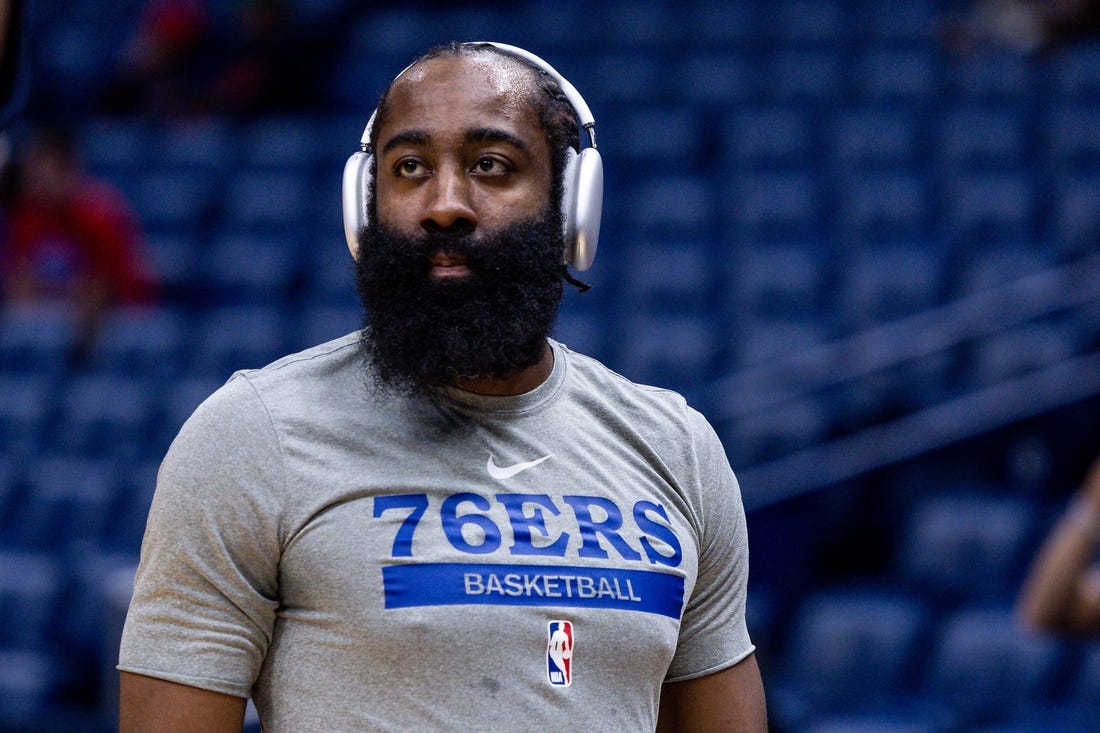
(516, 384)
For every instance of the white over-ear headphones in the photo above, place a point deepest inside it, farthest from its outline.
(582, 195)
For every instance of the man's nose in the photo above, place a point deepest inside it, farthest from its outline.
(449, 202)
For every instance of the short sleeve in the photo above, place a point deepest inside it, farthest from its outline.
(206, 588)
(713, 634)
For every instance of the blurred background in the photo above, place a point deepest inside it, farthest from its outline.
(859, 235)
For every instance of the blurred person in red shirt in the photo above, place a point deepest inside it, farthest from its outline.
(71, 238)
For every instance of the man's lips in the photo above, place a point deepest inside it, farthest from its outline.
(445, 265)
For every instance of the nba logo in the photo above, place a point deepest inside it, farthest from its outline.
(559, 653)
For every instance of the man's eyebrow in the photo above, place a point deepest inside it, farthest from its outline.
(494, 134)
(408, 137)
(477, 135)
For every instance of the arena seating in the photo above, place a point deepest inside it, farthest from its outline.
(791, 185)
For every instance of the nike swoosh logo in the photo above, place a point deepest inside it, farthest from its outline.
(502, 472)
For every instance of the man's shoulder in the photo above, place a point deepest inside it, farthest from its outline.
(601, 380)
(295, 378)
(331, 357)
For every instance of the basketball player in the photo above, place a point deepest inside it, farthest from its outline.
(449, 521)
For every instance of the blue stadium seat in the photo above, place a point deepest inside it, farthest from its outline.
(396, 33)
(67, 506)
(104, 415)
(28, 681)
(173, 201)
(618, 78)
(675, 277)
(668, 351)
(1000, 76)
(805, 22)
(10, 478)
(1074, 224)
(984, 664)
(359, 79)
(133, 494)
(769, 137)
(774, 204)
(1022, 350)
(181, 400)
(716, 24)
(141, 341)
(804, 75)
(873, 136)
(969, 137)
(984, 269)
(1084, 679)
(895, 74)
(713, 77)
(785, 279)
(237, 337)
(965, 547)
(268, 201)
(24, 411)
(672, 205)
(30, 586)
(1074, 73)
(319, 324)
(760, 339)
(991, 205)
(883, 283)
(587, 333)
(899, 23)
(780, 430)
(1048, 718)
(850, 647)
(36, 337)
(109, 146)
(251, 267)
(330, 273)
(874, 723)
(1070, 137)
(655, 138)
(174, 259)
(640, 25)
(565, 31)
(883, 205)
(281, 143)
(201, 146)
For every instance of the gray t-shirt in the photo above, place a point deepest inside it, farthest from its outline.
(356, 560)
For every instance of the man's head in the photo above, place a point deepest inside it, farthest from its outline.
(460, 266)
(535, 89)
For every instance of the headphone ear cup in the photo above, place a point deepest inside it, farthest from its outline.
(569, 204)
(356, 189)
(586, 206)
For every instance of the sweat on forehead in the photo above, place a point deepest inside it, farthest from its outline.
(508, 74)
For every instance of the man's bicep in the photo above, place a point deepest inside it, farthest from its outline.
(148, 704)
(731, 700)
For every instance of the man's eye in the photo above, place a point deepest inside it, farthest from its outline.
(409, 168)
(489, 165)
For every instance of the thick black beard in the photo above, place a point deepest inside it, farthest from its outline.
(420, 333)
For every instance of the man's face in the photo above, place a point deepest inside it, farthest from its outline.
(461, 147)
(460, 271)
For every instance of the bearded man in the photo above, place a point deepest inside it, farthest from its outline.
(448, 521)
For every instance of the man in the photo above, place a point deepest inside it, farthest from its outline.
(1061, 593)
(450, 522)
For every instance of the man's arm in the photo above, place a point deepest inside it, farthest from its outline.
(150, 705)
(729, 701)
(1061, 593)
